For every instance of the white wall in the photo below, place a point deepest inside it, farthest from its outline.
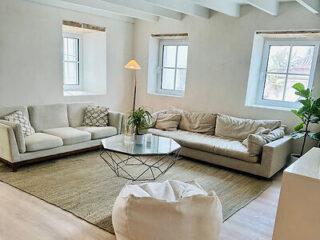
(31, 56)
(219, 59)
(94, 62)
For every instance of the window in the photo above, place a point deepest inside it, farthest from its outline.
(284, 63)
(72, 67)
(173, 58)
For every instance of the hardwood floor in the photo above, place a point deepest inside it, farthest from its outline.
(24, 217)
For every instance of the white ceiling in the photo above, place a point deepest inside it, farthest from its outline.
(151, 10)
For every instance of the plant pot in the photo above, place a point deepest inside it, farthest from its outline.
(293, 157)
(138, 139)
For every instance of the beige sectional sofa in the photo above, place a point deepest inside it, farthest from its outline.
(225, 146)
(58, 133)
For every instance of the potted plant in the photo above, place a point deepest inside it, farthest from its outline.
(309, 113)
(139, 120)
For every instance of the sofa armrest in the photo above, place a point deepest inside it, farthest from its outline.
(116, 120)
(8, 144)
(18, 134)
(275, 155)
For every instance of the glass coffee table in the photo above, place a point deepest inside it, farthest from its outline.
(140, 162)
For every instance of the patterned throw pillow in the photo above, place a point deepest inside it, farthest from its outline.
(95, 116)
(18, 117)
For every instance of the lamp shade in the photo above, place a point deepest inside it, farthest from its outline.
(132, 65)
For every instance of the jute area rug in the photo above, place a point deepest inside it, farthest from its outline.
(84, 185)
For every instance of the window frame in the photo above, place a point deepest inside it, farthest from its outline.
(264, 64)
(68, 87)
(170, 42)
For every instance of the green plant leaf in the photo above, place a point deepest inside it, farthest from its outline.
(305, 102)
(299, 127)
(298, 87)
(297, 114)
(314, 119)
(317, 102)
(296, 135)
(303, 93)
(314, 136)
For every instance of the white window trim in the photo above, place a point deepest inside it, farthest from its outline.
(287, 42)
(69, 87)
(162, 43)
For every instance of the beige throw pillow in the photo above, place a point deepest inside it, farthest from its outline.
(95, 116)
(195, 122)
(255, 142)
(167, 121)
(239, 128)
(19, 118)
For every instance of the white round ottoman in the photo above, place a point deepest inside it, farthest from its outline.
(171, 210)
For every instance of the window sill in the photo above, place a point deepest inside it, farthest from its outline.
(79, 93)
(167, 95)
(287, 109)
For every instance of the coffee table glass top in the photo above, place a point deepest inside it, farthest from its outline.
(157, 146)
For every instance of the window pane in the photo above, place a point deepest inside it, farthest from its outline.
(182, 56)
(169, 56)
(290, 92)
(274, 86)
(70, 73)
(301, 59)
(71, 49)
(181, 79)
(168, 79)
(278, 59)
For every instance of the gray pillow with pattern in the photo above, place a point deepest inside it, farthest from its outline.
(18, 117)
(95, 116)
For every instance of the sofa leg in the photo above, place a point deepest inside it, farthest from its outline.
(14, 167)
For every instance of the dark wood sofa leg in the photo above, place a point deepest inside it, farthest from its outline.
(14, 167)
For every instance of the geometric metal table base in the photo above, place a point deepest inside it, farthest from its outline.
(139, 168)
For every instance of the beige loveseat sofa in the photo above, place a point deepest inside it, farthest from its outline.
(224, 144)
(58, 133)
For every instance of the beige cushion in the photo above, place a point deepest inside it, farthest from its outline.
(167, 121)
(17, 129)
(255, 142)
(95, 116)
(213, 144)
(7, 110)
(69, 135)
(42, 141)
(171, 210)
(48, 116)
(195, 122)
(23, 121)
(76, 113)
(99, 132)
(240, 128)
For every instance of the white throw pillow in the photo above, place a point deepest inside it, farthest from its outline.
(171, 210)
(18, 117)
(239, 128)
(255, 142)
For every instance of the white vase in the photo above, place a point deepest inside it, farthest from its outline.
(139, 139)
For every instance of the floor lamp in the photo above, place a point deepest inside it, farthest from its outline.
(133, 65)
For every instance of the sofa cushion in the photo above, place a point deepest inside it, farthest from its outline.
(95, 116)
(23, 121)
(213, 144)
(69, 135)
(239, 128)
(168, 121)
(196, 122)
(76, 113)
(7, 110)
(99, 132)
(42, 141)
(48, 116)
(255, 142)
